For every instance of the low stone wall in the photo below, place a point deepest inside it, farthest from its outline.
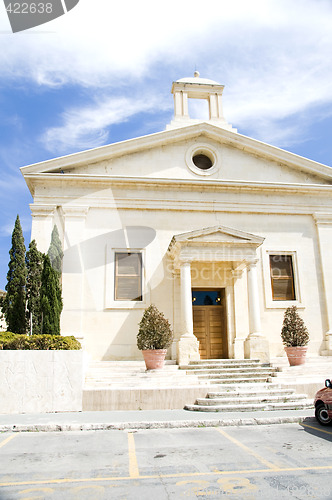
(40, 381)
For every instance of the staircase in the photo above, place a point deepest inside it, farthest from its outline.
(214, 385)
(245, 385)
(230, 371)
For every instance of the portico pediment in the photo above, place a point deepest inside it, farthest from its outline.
(217, 243)
(215, 234)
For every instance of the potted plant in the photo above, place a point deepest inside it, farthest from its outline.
(294, 336)
(154, 337)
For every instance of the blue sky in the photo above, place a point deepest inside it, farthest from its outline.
(103, 73)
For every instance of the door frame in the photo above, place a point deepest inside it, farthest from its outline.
(223, 312)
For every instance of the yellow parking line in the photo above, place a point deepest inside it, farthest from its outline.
(316, 429)
(133, 467)
(9, 438)
(160, 476)
(248, 450)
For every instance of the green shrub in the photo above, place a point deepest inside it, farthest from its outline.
(12, 341)
(294, 333)
(154, 330)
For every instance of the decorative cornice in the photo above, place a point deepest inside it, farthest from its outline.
(163, 183)
(74, 211)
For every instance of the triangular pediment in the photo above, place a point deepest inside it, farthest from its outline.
(216, 235)
(161, 155)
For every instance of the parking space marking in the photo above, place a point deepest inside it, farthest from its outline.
(166, 476)
(9, 438)
(248, 450)
(317, 429)
(133, 466)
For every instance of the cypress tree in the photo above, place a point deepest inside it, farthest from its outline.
(55, 252)
(50, 299)
(34, 262)
(14, 303)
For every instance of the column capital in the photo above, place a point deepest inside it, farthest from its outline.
(42, 210)
(252, 263)
(323, 218)
(237, 273)
(183, 263)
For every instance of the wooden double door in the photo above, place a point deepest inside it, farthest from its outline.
(209, 323)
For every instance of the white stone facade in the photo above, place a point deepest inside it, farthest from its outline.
(211, 228)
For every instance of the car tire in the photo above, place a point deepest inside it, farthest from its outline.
(322, 415)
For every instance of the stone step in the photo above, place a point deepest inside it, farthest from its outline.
(251, 392)
(230, 371)
(221, 362)
(237, 375)
(298, 405)
(220, 366)
(235, 380)
(244, 399)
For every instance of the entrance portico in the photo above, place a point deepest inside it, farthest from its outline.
(220, 258)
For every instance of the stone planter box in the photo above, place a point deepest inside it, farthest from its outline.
(40, 381)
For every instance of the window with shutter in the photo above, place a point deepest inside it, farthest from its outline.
(128, 276)
(282, 277)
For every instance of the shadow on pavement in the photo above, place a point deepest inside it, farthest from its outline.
(311, 426)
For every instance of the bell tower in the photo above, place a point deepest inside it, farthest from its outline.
(198, 88)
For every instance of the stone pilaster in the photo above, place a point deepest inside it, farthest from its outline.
(73, 270)
(324, 230)
(42, 225)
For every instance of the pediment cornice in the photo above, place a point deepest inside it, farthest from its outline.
(214, 240)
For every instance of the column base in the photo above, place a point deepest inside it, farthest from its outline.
(238, 348)
(187, 350)
(328, 344)
(257, 347)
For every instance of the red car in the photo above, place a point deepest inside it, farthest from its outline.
(323, 404)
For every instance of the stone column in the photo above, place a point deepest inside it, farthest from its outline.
(181, 105)
(186, 301)
(187, 348)
(324, 229)
(215, 107)
(256, 345)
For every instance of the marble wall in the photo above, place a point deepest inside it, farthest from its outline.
(40, 381)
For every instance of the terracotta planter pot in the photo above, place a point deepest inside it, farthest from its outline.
(154, 358)
(296, 355)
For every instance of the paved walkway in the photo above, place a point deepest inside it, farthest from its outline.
(145, 419)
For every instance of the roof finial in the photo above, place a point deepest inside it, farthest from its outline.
(196, 74)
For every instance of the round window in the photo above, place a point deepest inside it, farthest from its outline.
(202, 161)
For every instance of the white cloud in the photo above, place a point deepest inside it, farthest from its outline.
(273, 56)
(87, 127)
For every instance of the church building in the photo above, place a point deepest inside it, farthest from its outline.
(220, 231)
